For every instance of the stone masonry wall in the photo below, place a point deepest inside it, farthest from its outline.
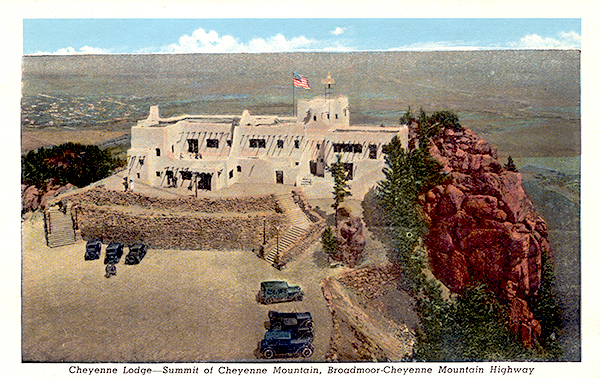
(176, 232)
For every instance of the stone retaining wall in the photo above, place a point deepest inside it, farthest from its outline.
(104, 197)
(372, 281)
(176, 232)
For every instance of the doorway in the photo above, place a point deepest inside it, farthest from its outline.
(204, 181)
(279, 177)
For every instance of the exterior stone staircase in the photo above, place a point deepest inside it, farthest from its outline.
(299, 224)
(59, 227)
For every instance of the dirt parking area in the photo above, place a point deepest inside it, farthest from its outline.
(175, 306)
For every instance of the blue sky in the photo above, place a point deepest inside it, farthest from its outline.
(126, 36)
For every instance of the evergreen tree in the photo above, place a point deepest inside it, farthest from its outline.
(407, 118)
(510, 165)
(340, 184)
(329, 241)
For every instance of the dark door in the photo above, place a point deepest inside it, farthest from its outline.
(204, 181)
(279, 177)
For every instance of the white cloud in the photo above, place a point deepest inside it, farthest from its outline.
(71, 51)
(338, 31)
(436, 46)
(565, 40)
(210, 42)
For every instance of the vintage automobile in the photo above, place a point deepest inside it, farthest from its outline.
(93, 248)
(114, 251)
(137, 251)
(282, 343)
(300, 324)
(278, 291)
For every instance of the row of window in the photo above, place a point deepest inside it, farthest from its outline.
(262, 143)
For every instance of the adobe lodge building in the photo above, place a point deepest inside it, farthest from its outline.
(210, 152)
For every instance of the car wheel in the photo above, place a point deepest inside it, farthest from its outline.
(268, 353)
(306, 352)
(269, 300)
(309, 324)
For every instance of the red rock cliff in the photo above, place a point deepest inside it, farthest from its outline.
(483, 227)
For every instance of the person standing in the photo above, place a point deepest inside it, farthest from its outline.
(111, 270)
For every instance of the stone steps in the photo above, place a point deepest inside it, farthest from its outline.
(285, 241)
(60, 228)
(299, 223)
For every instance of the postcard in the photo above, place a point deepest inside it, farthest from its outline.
(302, 196)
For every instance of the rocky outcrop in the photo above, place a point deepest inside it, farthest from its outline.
(483, 227)
(350, 238)
(33, 198)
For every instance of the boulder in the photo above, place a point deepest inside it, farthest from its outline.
(350, 238)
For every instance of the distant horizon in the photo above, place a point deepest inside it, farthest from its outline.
(296, 52)
(257, 36)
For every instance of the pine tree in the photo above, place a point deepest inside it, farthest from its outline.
(340, 184)
(510, 165)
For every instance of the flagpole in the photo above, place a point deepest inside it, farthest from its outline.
(293, 96)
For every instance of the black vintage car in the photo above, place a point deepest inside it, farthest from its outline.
(300, 324)
(137, 251)
(93, 248)
(114, 251)
(278, 291)
(282, 343)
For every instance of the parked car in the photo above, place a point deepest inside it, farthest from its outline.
(278, 342)
(278, 291)
(137, 251)
(114, 251)
(300, 324)
(93, 248)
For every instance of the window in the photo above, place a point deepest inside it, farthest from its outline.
(280, 143)
(158, 152)
(231, 174)
(258, 143)
(336, 116)
(347, 147)
(327, 115)
(296, 144)
(173, 148)
(157, 173)
(193, 146)
(141, 161)
(314, 118)
(186, 175)
(239, 168)
(229, 143)
(212, 143)
(318, 146)
(372, 151)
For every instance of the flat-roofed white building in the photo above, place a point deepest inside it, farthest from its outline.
(214, 152)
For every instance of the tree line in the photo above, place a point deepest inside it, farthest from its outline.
(73, 163)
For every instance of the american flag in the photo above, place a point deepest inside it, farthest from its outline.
(300, 81)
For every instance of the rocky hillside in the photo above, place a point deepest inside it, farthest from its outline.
(373, 318)
(484, 228)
